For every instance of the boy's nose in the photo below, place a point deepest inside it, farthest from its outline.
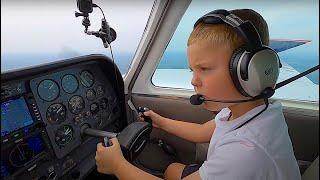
(195, 81)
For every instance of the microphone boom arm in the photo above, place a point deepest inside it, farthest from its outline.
(287, 81)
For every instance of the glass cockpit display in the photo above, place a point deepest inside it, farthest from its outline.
(16, 155)
(24, 143)
(14, 115)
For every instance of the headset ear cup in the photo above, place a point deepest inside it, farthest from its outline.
(234, 61)
(263, 71)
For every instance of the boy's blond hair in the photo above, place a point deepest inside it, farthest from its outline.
(225, 35)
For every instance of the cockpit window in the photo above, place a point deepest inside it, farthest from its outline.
(43, 31)
(294, 34)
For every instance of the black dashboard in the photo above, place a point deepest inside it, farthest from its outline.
(43, 109)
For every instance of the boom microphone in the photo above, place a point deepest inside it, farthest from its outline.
(198, 99)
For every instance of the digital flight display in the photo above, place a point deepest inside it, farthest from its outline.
(17, 155)
(14, 115)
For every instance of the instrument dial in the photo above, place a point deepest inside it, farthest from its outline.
(100, 90)
(76, 104)
(56, 113)
(91, 95)
(94, 108)
(48, 90)
(69, 83)
(64, 135)
(86, 78)
(103, 103)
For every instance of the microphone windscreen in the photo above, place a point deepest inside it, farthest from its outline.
(196, 99)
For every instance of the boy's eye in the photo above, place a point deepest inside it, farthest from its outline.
(204, 69)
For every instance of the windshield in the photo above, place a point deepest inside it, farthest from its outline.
(41, 31)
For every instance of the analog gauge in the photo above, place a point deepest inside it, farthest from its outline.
(76, 104)
(56, 113)
(94, 108)
(103, 103)
(91, 95)
(86, 78)
(20, 155)
(69, 83)
(100, 90)
(48, 90)
(64, 135)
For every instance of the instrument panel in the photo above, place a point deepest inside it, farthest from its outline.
(68, 99)
(42, 114)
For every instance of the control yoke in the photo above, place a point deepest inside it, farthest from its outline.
(132, 139)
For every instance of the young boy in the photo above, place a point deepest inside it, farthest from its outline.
(258, 149)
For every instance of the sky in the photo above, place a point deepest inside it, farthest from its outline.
(286, 19)
(39, 21)
(50, 26)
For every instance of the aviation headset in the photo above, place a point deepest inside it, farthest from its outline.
(254, 68)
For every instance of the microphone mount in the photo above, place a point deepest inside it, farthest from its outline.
(85, 21)
(105, 33)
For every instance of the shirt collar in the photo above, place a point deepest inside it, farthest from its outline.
(222, 117)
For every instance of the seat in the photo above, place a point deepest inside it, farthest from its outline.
(312, 172)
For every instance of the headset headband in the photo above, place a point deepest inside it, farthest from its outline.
(244, 28)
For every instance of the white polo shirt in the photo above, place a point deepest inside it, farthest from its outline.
(261, 149)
